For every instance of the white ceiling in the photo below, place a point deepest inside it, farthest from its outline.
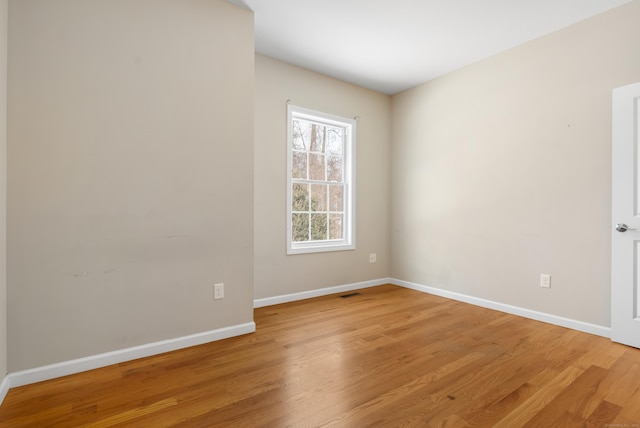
(392, 45)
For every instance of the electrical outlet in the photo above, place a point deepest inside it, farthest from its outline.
(545, 280)
(372, 258)
(218, 291)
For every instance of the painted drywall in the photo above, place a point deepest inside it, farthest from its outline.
(130, 181)
(501, 171)
(3, 186)
(276, 273)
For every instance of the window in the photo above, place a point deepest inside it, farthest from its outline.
(320, 188)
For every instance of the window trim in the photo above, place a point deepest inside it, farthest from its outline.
(349, 232)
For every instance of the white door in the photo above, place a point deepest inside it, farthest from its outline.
(625, 235)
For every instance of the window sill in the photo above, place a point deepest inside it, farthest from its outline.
(319, 248)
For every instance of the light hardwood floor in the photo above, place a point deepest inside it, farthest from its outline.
(387, 357)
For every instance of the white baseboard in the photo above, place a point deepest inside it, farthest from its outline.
(598, 330)
(285, 298)
(52, 371)
(4, 388)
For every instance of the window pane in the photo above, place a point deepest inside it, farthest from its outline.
(301, 133)
(335, 198)
(318, 197)
(300, 227)
(316, 167)
(299, 165)
(335, 142)
(335, 226)
(299, 197)
(318, 227)
(317, 138)
(334, 168)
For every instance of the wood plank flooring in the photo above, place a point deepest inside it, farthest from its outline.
(387, 357)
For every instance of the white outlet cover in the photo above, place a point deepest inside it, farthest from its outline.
(218, 291)
(545, 280)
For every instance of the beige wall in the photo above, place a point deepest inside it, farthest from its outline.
(3, 186)
(130, 182)
(501, 171)
(275, 272)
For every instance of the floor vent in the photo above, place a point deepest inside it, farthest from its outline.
(344, 296)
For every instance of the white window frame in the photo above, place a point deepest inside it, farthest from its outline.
(349, 233)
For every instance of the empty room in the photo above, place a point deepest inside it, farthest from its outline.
(285, 213)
